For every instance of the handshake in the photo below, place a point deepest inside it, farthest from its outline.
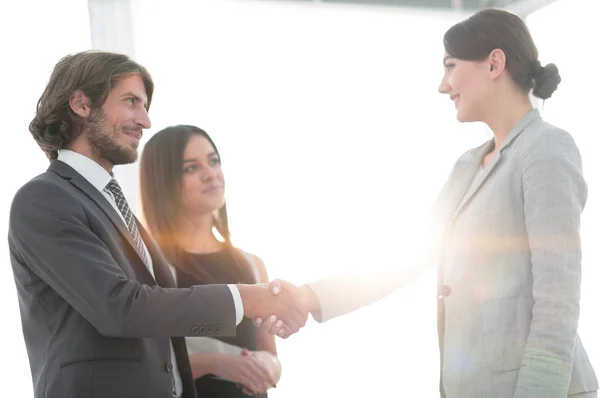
(279, 307)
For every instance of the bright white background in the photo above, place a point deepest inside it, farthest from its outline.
(334, 142)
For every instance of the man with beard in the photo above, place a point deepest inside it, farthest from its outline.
(100, 314)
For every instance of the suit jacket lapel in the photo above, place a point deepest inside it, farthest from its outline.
(84, 186)
(162, 273)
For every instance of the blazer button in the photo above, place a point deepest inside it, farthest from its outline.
(217, 329)
(202, 330)
(446, 290)
(194, 330)
(169, 367)
(210, 330)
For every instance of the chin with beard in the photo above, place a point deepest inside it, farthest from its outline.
(104, 143)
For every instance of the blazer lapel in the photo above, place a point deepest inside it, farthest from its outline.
(458, 184)
(478, 158)
(469, 191)
(84, 186)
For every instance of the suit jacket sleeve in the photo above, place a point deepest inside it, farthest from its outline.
(49, 233)
(554, 197)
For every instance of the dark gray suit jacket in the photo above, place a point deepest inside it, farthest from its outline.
(95, 322)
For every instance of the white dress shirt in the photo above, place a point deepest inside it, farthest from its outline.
(99, 178)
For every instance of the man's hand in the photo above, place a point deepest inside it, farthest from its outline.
(286, 305)
(277, 327)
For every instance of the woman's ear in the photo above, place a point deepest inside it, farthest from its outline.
(497, 63)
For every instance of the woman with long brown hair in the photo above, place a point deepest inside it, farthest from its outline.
(182, 191)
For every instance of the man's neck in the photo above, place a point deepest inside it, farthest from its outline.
(83, 147)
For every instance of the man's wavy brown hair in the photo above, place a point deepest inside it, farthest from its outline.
(95, 73)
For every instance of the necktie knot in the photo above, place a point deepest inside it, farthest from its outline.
(114, 187)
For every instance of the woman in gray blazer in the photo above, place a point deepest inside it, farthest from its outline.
(510, 269)
(510, 255)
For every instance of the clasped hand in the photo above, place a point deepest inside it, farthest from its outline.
(280, 308)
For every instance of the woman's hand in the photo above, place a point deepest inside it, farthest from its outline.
(247, 370)
(270, 362)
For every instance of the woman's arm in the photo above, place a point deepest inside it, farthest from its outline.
(554, 197)
(341, 294)
(205, 363)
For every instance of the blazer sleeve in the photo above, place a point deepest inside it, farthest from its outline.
(49, 235)
(554, 196)
(342, 294)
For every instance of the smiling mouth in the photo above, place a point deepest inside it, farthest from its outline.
(212, 189)
(134, 134)
(455, 98)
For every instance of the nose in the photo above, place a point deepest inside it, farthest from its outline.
(142, 118)
(444, 87)
(208, 173)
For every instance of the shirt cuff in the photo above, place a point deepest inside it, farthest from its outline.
(237, 302)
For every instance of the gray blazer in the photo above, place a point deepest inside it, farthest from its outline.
(95, 322)
(509, 270)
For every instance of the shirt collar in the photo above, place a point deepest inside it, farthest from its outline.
(89, 169)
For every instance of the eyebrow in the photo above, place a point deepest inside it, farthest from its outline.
(447, 57)
(194, 159)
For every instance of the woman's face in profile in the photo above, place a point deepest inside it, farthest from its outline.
(202, 182)
(466, 83)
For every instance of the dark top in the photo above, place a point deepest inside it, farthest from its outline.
(217, 268)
